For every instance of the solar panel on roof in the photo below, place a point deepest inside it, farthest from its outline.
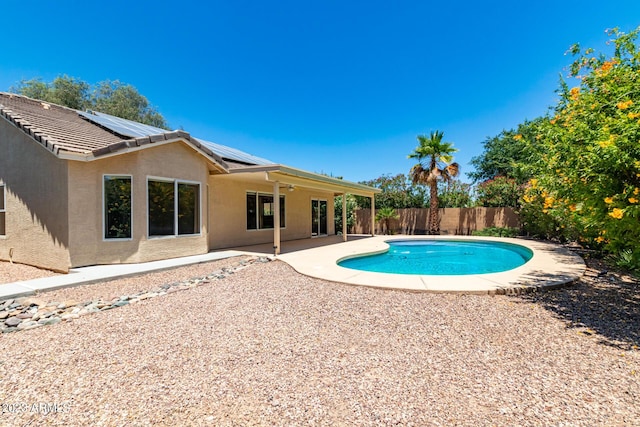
(234, 154)
(131, 129)
(123, 127)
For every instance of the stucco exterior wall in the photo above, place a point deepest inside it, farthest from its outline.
(55, 208)
(88, 247)
(36, 202)
(228, 212)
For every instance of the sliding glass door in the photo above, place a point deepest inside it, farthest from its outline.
(318, 217)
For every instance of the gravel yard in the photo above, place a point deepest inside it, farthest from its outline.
(268, 346)
(17, 272)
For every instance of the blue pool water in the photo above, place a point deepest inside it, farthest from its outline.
(442, 257)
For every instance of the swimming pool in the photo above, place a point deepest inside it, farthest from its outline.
(442, 257)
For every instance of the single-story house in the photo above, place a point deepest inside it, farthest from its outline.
(82, 188)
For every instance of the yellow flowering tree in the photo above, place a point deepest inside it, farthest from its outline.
(587, 160)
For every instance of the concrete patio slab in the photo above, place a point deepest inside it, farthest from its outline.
(98, 273)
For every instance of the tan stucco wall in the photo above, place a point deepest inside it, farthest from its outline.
(36, 202)
(175, 161)
(228, 212)
(54, 208)
(452, 220)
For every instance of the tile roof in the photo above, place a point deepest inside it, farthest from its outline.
(55, 127)
(62, 129)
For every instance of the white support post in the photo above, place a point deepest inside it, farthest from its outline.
(344, 217)
(373, 215)
(276, 218)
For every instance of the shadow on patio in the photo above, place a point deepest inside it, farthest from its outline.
(298, 245)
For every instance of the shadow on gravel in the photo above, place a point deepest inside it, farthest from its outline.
(601, 303)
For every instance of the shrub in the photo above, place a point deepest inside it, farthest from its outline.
(499, 192)
(497, 232)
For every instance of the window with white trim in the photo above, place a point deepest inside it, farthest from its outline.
(173, 207)
(261, 209)
(117, 207)
(3, 210)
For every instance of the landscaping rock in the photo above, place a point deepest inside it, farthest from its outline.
(52, 321)
(69, 316)
(29, 312)
(24, 325)
(33, 301)
(12, 321)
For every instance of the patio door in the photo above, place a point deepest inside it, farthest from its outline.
(318, 218)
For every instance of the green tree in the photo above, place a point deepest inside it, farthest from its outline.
(508, 153)
(63, 90)
(110, 97)
(337, 209)
(397, 192)
(499, 192)
(435, 163)
(123, 100)
(454, 194)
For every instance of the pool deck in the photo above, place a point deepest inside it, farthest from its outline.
(551, 266)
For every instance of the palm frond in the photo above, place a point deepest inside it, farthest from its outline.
(453, 169)
(432, 153)
(417, 174)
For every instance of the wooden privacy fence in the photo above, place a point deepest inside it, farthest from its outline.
(461, 221)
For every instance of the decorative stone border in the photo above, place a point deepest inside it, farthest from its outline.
(26, 313)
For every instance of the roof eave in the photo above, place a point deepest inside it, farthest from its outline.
(135, 144)
(294, 176)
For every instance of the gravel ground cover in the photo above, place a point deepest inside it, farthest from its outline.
(267, 346)
(16, 272)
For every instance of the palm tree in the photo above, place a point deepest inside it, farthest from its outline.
(386, 215)
(435, 163)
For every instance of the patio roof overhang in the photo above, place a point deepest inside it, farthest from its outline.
(287, 175)
(284, 176)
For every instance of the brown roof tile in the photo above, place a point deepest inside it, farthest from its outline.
(60, 128)
(57, 128)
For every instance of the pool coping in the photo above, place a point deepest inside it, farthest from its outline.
(551, 266)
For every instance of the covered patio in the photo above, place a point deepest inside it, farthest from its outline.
(284, 179)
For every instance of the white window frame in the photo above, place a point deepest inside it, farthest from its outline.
(258, 194)
(104, 213)
(175, 182)
(3, 210)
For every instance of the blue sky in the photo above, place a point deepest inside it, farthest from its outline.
(338, 87)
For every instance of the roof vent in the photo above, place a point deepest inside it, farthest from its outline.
(45, 105)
